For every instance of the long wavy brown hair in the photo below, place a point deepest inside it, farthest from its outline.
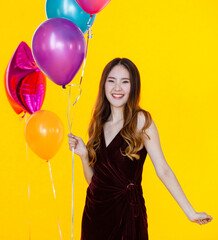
(101, 111)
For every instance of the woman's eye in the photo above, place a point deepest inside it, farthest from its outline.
(110, 80)
(125, 81)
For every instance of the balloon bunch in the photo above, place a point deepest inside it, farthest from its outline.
(59, 46)
(25, 87)
(58, 51)
(58, 43)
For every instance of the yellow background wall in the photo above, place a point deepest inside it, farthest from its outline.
(174, 44)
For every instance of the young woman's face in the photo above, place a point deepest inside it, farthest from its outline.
(117, 86)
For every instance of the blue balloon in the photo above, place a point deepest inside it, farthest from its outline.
(70, 10)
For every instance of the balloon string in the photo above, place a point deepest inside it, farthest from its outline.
(90, 35)
(70, 121)
(54, 197)
(28, 185)
(67, 110)
(88, 23)
(72, 190)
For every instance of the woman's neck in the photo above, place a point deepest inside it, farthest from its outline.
(116, 115)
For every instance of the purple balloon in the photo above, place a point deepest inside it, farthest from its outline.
(58, 47)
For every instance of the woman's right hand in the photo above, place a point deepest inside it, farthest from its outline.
(78, 145)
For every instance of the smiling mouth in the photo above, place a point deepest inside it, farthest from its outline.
(117, 96)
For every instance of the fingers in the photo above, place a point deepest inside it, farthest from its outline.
(201, 218)
(71, 147)
(203, 221)
(73, 141)
(71, 135)
(73, 138)
(207, 219)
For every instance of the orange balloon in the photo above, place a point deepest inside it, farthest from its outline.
(44, 133)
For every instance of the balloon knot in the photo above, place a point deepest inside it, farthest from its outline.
(63, 86)
(22, 117)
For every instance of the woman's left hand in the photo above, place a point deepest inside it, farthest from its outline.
(200, 218)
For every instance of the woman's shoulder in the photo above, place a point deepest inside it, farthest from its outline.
(143, 119)
(147, 126)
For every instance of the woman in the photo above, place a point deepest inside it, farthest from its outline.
(120, 136)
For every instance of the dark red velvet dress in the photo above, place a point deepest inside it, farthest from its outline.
(115, 207)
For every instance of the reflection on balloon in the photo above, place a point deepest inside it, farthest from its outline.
(70, 10)
(31, 91)
(44, 133)
(59, 49)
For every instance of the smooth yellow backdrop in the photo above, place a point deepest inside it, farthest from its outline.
(174, 45)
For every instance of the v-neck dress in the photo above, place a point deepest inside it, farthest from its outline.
(114, 207)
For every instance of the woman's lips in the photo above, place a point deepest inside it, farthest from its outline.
(117, 96)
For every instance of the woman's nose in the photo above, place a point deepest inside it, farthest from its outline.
(117, 86)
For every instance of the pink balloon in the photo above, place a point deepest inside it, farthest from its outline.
(92, 6)
(31, 91)
(59, 49)
(17, 108)
(25, 84)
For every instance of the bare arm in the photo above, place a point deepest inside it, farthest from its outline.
(81, 150)
(171, 183)
(87, 169)
(165, 173)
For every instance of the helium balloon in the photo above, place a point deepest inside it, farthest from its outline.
(24, 95)
(31, 91)
(44, 133)
(17, 108)
(59, 49)
(70, 10)
(92, 6)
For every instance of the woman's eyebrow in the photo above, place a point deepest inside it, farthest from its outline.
(121, 78)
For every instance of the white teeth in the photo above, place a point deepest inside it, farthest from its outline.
(117, 95)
